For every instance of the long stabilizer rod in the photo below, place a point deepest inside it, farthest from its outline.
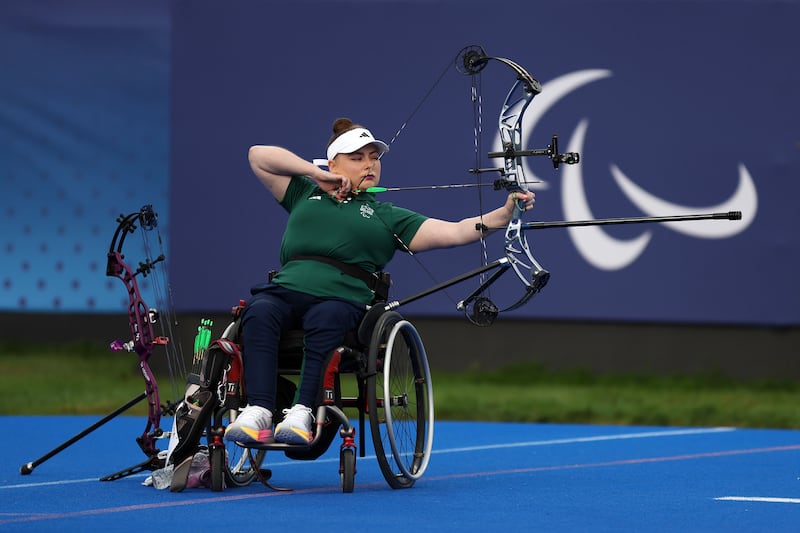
(730, 215)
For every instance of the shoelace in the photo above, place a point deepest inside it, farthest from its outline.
(296, 412)
(253, 419)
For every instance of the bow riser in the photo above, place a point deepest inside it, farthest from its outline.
(138, 313)
(510, 124)
(517, 250)
(142, 342)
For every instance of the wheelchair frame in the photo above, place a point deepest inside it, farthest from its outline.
(395, 393)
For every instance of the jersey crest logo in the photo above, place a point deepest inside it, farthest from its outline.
(367, 211)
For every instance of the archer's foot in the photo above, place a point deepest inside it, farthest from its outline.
(296, 426)
(252, 426)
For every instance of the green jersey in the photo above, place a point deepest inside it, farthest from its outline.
(360, 231)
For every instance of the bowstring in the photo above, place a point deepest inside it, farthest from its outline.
(419, 104)
(476, 97)
(402, 127)
(477, 118)
(162, 292)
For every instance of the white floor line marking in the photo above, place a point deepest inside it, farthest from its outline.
(597, 438)
(619, 462)
(46, 483)
(757, 499)
(575, 440)
(334, 489)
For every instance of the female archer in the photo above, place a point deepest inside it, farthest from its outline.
(336, 237)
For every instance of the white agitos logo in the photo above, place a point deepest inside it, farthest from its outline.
(597, 247)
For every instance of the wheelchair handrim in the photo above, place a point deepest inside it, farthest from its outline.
(423, 360)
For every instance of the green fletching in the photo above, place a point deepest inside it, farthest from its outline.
(203, 337)
(201, 342)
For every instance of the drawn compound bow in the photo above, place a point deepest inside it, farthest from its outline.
(478, 306)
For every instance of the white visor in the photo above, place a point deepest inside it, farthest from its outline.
(350, 141)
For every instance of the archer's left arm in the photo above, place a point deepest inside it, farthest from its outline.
(435, 233)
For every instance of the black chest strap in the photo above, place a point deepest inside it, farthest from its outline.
(377, 282)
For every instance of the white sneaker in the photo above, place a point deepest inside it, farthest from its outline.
(252, 426)
(296, 427)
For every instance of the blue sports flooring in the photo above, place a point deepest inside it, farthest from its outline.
(482, 476)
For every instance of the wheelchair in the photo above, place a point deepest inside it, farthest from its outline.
(393, 393)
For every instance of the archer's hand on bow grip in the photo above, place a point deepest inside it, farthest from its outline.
(522, 200)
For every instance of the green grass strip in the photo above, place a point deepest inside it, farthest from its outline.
(89, 379)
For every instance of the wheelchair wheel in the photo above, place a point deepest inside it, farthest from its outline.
(400, 400)
(218, 468)
(238, 467)
(347, 459)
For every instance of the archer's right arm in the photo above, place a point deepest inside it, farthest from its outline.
(274, 166)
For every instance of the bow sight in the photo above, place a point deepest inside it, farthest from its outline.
(568, 158)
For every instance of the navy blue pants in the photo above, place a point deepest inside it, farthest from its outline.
(273, 310)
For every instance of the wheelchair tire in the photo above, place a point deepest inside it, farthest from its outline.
(218, 468)
(347, 458)
(399, 400)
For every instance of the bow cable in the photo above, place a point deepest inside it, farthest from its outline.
(164, 312)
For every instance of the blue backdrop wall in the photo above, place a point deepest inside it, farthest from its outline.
(675, 107)
(84, 136)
